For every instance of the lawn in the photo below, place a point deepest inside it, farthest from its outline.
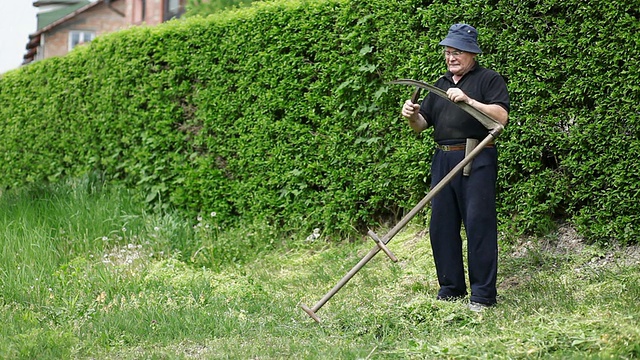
(87, 273)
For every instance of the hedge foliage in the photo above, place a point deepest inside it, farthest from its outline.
(282, 111)
(206, 7)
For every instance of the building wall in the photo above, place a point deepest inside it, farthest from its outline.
(100, 19)
(149, 12)
(152, 10)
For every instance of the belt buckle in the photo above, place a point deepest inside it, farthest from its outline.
(449, 147)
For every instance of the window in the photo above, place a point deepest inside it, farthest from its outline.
(78, 37)
(172, 9)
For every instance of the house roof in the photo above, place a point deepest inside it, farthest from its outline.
(61, 15)
(38, 3)
(49, 17)
(74, 11)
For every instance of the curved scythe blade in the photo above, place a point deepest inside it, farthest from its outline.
(486, 120)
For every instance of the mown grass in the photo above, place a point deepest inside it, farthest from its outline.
(86, 273)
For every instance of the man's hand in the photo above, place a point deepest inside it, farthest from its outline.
(411, 111)
(458, 95)
(495, 111)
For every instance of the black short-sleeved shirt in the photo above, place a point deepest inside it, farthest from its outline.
(451, 123)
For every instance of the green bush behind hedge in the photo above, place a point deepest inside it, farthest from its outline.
(282, 112)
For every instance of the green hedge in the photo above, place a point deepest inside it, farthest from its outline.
(207, 7)
(282, 111)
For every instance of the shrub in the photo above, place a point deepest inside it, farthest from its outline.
(282, 111)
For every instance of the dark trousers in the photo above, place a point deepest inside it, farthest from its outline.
(470, 200)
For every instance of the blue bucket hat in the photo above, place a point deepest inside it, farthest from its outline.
(462, 37)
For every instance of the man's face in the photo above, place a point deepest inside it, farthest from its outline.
(458, 62)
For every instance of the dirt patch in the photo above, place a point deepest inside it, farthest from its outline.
(616, 256)
(566, 241)
(513, 281)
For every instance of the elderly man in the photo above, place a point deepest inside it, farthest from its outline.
(469, 198)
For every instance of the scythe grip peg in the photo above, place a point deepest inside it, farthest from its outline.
(382, 246)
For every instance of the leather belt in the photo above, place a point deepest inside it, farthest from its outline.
(458, 147)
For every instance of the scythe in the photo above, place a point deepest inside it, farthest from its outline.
(494, 127)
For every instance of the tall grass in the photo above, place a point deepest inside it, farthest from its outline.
(87, 273)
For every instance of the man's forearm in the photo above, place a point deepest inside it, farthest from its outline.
(495, 111)
(419, 124)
